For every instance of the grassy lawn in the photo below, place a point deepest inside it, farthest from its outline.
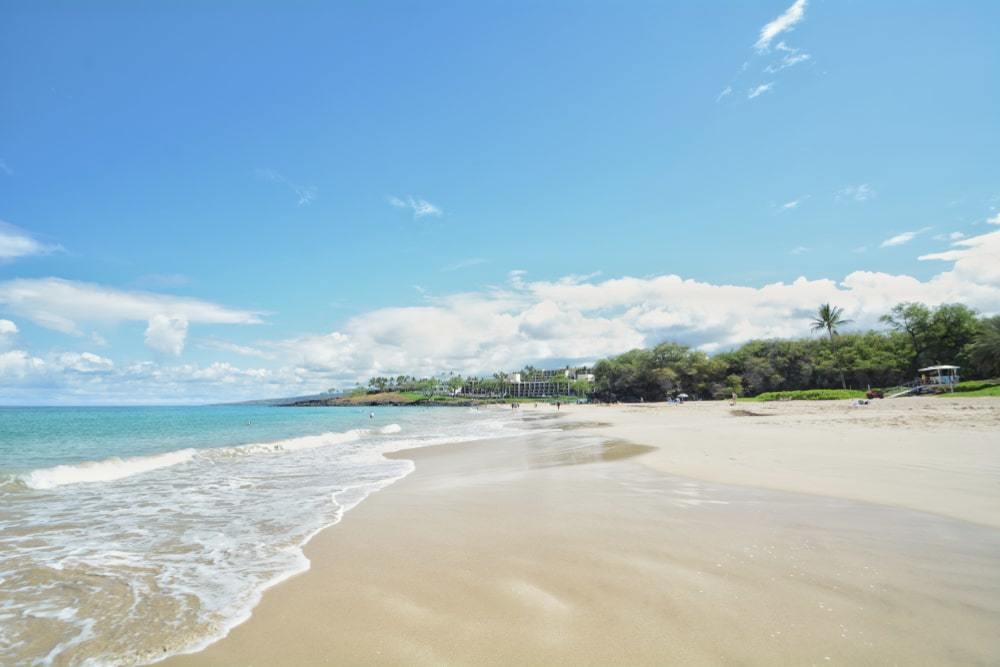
(976, 388)
(809, 395)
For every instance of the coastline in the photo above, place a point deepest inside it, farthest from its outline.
(588, 546)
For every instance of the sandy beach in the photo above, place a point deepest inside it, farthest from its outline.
(780, 533)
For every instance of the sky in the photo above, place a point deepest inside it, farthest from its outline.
(205, 202)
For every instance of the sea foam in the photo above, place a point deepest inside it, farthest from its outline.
(116, 468)
(103, 471)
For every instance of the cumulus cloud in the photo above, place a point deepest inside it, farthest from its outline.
(759, 90)
(64, 305)
(18, 364)
(7, 328)
(583, 319)
(85, 362)
(166, 334)
(15, 243)
(976, 259)
(784, 23)
(420, 207)
(571, 319)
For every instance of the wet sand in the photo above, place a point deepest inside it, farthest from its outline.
(587, 547)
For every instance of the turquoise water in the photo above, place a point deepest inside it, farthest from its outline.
(128, 534)
(41, 437)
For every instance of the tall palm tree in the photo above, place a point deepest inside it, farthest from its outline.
(828, 318)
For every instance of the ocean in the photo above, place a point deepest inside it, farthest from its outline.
(129, 534)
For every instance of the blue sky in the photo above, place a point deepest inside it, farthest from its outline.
(227, 200)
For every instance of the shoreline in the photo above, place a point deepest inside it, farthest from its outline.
(523, 533)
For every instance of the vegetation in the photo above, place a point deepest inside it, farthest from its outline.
(831, 318)
(840, 365)
(810, 395)
(979, 388)
(917, 336)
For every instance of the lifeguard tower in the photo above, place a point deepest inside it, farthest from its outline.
(931, 379)
(939, 376)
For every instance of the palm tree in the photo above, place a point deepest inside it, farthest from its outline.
(829, 318)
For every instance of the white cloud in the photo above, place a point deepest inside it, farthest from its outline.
(579, 319)
(726, 92)
(859, 193)
(575, 318)
(995, 220)
(63, 305)
(951, 236)
(420, 207)
(793, 204)
(166, 334)
(976, 259)
(798, 250)
(304, 194)
(791, 57)
(783, 23)
(900, 239)
(759, 90)
(7, 328)
(15, 242)
(245, 350)
(18, 364)
(860, 249)
(465, 264)
(85, 362)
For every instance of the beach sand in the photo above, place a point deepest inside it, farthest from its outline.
(801, 533)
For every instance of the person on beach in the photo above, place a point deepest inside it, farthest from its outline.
(371, 415)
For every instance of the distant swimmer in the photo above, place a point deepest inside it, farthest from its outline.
(371, 415)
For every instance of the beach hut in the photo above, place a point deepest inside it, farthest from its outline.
(942, 374)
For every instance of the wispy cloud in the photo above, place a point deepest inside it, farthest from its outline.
(15, 242)
(465, 264)
(904, 237)
(63, 305)
(787, 21)
(798, 250)
(952, 236)
(420, 207)
(5, 168)
(860, 249)
(226, 346)
(304, 194)
(726, 92)
(791, 57)
(792, 205)
(759, 90)
(995, 220)
(862, 192)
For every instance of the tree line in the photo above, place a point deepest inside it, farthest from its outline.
(916, 336)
